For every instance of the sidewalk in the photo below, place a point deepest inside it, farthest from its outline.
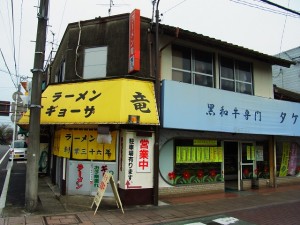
(69, 210)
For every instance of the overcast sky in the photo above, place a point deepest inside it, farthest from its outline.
(248, 23)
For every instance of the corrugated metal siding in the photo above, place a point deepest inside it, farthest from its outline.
(288, 78)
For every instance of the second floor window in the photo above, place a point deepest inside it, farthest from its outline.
(60, 76)
(192, 66)
(236, 76)
(95, 60)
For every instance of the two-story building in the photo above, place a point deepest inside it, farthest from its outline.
(205, 121)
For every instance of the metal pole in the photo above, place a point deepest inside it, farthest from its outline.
(31, 192)
(157, 93)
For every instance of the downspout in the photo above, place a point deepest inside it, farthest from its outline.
(157, 128)
(158, 52)
(170, 42)
(157, 93)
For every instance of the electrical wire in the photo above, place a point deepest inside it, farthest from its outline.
(280, 49)
(267, 9)
(281, 7)
(15, 75)
(20, 36)
(16, 86)
(61, 20)
(9, 24)
(13, 33)
(173, 7)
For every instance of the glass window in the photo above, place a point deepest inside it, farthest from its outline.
(181, 58)
(227, 66)
(181, 76)
(192, 66)
(60, 75)
(243, 71)
(203, 62)
(20, 144)
(196, 162)
(263, 162)
(95, 60)
(288, 159)
(227, 85)
(236, 76)
(203, 80)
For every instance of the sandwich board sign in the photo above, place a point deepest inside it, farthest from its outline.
(107, 177)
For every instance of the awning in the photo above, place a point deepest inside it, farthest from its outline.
(98, 102)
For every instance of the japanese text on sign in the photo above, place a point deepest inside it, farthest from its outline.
(62, 112)
(143, 156)
(83, 145)
(130, 158)
(248, 115)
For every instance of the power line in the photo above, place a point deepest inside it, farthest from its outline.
(283, 32)
(21, 76)
(9, 24)
(8, 69)
(61, 20)
(20, 33)
(264, 8)
(281, 7)
(173, 7)
(13, 32)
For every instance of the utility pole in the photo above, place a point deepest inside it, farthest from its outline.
(31, 192)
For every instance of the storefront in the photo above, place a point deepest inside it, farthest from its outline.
(224, 140)
(96, 126)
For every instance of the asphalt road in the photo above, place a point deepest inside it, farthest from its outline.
(15, 195)
(16, 188)
(279, 214)
(3, 171)
(287, 214)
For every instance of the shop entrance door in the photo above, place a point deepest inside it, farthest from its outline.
(231, 165)
(248, 164)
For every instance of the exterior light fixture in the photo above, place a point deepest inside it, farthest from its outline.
(133, 119)
(104, 136)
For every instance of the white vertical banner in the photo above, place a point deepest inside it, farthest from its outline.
(137, 161)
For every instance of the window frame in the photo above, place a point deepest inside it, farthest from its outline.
(235, 80)
(102, 66)
(192, 70)
(60, 76)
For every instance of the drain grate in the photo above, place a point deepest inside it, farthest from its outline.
(62, 219)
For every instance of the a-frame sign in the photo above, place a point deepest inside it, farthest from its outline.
(107, 177)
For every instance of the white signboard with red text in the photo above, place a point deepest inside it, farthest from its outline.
(136, 161)
(84, 177)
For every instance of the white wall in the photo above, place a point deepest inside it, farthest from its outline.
(263, 84)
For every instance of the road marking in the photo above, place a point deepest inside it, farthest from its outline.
(197, 223)
(226, 220)
(5, 186)
(4, 156)
(217, 219)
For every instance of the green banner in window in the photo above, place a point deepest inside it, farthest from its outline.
(220, 154)
(250, 152)
(205, 142)
(199, 154)
(193, 154)
(189, 154)
(285, 159)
